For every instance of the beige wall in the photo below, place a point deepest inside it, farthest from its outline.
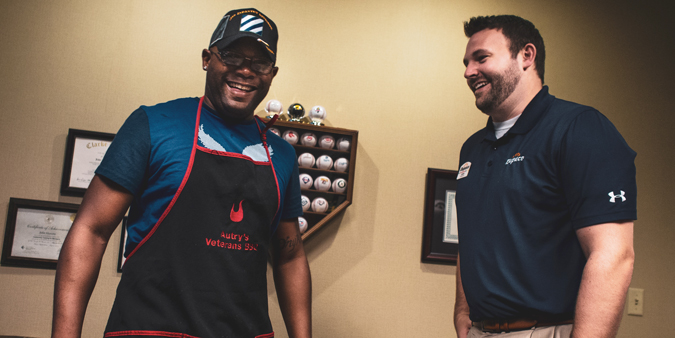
(392, 70)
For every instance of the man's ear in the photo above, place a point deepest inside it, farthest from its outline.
(206, 58)
(528, 53)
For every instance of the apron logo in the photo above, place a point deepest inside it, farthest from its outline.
(237, 216)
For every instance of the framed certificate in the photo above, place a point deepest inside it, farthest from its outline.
(35, 232)
(440, 242)
(84, 152)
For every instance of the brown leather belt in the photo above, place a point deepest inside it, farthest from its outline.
(515, 324)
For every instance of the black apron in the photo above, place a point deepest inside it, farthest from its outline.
(202, 270)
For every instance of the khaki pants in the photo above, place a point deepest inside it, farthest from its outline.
(559, 331)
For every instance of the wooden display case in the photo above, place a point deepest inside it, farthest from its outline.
(337, 202)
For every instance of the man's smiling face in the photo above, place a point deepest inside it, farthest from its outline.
(235, 91)
(492, 73)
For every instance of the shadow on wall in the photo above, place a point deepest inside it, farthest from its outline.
(439, 269)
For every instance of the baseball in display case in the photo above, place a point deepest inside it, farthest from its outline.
(326, 161)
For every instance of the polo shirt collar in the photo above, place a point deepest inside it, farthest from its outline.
(530, 116)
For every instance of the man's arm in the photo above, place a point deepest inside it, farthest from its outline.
(462, 321)
(102, 208)
(292, 279)
(607, 274)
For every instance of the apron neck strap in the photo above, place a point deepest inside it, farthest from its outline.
(269, 123)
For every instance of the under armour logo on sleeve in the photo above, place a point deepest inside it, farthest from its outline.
(613, 197)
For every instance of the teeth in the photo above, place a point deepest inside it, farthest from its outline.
(480, 85)
(240, 86)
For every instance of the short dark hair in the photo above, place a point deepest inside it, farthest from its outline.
(517, 30)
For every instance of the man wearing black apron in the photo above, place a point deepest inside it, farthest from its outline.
(212, 194)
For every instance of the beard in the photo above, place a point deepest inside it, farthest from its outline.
(503, 85)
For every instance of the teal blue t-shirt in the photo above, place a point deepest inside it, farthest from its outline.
(151, 152)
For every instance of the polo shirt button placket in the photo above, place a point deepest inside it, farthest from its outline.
(494, 149)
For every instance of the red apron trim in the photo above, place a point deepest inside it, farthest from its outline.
(271, 122)
(228, 154)
(166, 334)
(263, 135)
(182, 184)
(153, 334)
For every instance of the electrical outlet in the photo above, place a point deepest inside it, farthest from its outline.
(635, 301)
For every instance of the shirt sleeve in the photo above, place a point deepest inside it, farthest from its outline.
(598, 172)
(125, 162)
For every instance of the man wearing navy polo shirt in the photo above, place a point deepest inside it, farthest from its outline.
(546, 198)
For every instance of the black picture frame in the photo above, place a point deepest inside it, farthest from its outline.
(71, 156)
(47, 236)
(123, 241)
(434, 249)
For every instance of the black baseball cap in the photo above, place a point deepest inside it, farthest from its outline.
(248, 22)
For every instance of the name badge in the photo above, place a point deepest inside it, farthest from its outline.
(464, 170)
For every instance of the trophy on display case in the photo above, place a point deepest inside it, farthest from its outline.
(296, 111)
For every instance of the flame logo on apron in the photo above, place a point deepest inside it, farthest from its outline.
(237, 216)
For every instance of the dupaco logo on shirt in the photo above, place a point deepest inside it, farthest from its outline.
(515, 158)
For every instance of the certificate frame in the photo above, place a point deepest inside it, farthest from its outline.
(440, 184)
(73, 156)
(54, 236)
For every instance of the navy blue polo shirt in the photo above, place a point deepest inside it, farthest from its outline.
(520, 199)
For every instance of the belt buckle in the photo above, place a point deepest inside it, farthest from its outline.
(491, 325)
(499, 325)
(503, 326)
(481, 326)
